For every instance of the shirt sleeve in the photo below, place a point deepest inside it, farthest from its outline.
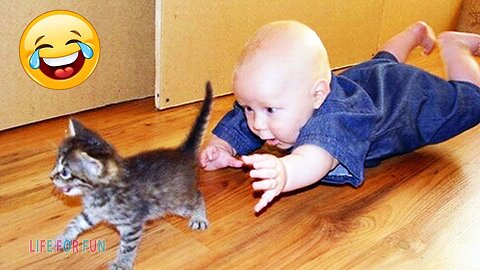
(343, 129)
(233, 128)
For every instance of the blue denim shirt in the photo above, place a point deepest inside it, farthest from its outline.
(375, 110)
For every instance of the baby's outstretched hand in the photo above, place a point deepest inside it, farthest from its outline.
(271, 174)
(215, 157)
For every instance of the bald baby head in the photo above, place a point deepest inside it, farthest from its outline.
(283, 47)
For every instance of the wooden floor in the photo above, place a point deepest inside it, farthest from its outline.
(416, 211)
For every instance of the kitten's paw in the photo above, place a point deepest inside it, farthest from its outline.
(119, 266)
(200, 225)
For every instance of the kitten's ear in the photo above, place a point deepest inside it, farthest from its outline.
(74, 127)
(92, 167)
(71, 128)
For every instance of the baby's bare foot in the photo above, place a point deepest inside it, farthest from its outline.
(469, 40)
(426, 36)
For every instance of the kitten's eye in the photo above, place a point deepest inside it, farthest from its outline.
(65, 173)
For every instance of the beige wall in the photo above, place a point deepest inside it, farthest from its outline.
(440, 14)
(173, 46)
(126, 69)
(200, 40)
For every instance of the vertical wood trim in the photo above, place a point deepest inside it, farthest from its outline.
(158, 52)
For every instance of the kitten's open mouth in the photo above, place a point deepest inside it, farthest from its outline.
(64, 189)
(61, 68)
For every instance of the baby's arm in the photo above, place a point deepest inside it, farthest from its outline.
(218, 154)
(304, 166)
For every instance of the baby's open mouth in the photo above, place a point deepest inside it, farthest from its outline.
(272, 142)
(61, 68)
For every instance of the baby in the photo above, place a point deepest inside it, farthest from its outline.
(333, 126)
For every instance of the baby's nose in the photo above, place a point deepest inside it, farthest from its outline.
(259, 123)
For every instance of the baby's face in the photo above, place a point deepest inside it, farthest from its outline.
(276, 106)
(283, 75)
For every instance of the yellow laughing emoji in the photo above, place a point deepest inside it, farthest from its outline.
(59, 49)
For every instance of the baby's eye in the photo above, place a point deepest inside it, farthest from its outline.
(247, 109)
(270, 110)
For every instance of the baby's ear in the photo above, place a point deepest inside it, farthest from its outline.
(320, 91)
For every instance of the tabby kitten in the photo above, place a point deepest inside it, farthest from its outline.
(127, 192)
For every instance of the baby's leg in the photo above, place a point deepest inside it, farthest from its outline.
(417, 34)
(457, 51)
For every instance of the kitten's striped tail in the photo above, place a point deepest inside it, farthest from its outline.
(194, 139)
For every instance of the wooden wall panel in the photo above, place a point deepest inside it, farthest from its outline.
(441, 15)
(126, 68)
(173, 46)
(200, 40)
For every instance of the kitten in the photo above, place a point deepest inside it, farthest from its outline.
(127, 192)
